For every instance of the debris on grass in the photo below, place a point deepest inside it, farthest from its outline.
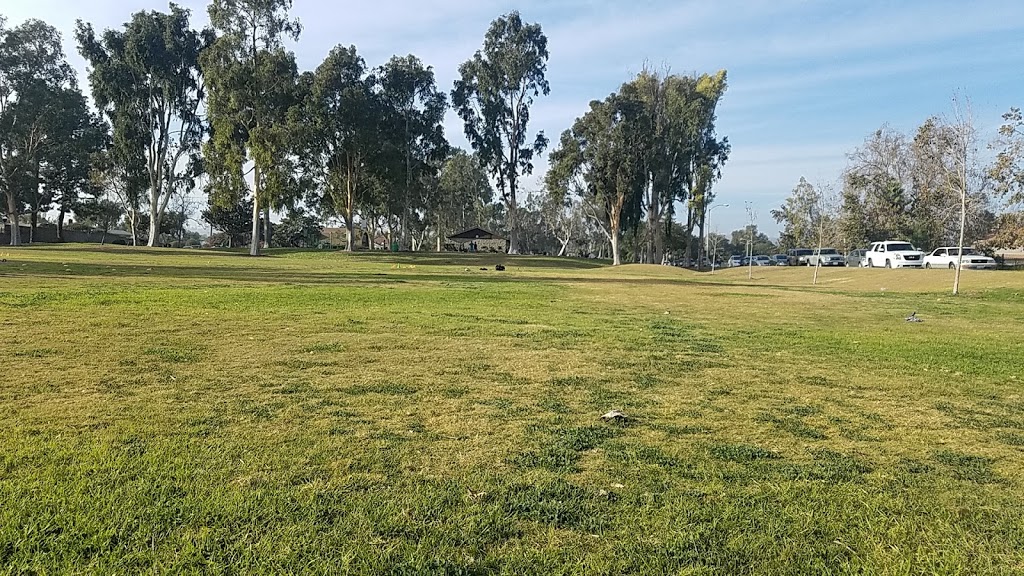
(614, 416)
(913, 318)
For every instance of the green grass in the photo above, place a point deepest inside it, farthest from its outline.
(198, 411)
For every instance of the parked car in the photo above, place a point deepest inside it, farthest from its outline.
(856, 258)
(763, 260)
(781, 260)
(735, 261)
(826, 257)
(947, 258)
(798, 256)
(894, 254)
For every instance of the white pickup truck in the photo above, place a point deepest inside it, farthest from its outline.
(893, 254)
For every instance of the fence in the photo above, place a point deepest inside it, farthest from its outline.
(48, 234)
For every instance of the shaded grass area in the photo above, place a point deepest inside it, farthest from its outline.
(314, 412)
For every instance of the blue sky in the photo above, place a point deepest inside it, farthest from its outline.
(808, 79)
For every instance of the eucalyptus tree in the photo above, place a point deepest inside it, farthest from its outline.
(707, 153)
(493, 96)
(35, 80)
(342, 144)
(146, 79)
(601, 159)
(683, 155)
(416, 114)
(251, 86)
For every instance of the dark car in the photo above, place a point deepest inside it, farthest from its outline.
(781, 260)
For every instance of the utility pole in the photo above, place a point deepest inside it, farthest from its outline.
(752, 218)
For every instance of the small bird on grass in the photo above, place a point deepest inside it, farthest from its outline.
(913, 318)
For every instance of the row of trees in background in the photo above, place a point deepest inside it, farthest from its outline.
(226, 110)
(932, 187)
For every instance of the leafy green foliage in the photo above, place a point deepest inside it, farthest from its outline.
(36, 83)
(298, 230)
(342, 141)
(146, 79)
(493, 96)
(251, 83)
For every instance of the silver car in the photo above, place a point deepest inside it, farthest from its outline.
(826, 257)
(855, 258)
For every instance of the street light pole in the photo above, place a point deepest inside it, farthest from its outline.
(707, 237)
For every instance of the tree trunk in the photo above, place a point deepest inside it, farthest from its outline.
(513, 216)
(350, 235)
(34, 217)
(817, 261)
(687, 234)
(254, 243)
(12, 218)
(513, 228)
(60, 224)
(960, 243)
(266, 227)
(701, 246)
(614, 229)
(154, 220)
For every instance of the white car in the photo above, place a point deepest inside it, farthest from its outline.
(947, 258)
(893, 254)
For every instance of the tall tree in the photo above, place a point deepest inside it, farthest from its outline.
(1007, 176)
(342, 144)
(708, 152)
(35, 79)
(417, 108)
(251, 83)
(879, 178)
(493, 97)
(601, 159)
(146, 79)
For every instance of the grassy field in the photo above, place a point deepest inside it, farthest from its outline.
(196, 411)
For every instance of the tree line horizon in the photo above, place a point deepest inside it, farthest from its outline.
(226, 110)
